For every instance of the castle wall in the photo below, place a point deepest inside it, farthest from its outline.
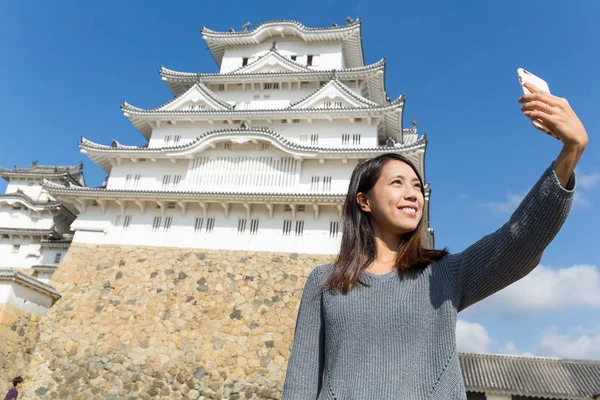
(18, 337)
(157, 322)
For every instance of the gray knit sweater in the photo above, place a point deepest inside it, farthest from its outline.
(396, 339)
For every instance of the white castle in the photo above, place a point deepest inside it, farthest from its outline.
(34, 228)
(256, 157)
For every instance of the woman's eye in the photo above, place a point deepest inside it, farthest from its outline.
(397, 181)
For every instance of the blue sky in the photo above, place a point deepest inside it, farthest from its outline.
(67, 66)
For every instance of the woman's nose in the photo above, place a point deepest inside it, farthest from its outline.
(410, 193)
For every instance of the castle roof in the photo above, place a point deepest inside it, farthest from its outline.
(70, 173)
(179, 109)
(548, 378)
(17, 197)
(12, 275)
(349, 35)
(102, 154)
(374, 74)
(30, 232)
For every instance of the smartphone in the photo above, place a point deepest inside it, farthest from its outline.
(527, 77)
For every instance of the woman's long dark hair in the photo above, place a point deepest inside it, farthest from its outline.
(358, 248)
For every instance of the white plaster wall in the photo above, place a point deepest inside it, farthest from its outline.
(315, 240)
(44, 277)
(330, 132)
(22, 218)
(151, 175)
(260, 98)
(30, 188)
(29, 253)
(49, 256)
(24, 298)
(330, 54)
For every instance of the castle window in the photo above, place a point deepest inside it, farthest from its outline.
(334, 229)
(210, 225)
(253, 226)
(167, 225)
(241, 226)
(299, 228)
(156, 223)
(287, 227)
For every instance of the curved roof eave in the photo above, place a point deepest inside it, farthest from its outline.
(246, 135)
(217, 41)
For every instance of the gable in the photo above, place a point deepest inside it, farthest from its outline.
(271, 62)
(196, 98)
(334, 95)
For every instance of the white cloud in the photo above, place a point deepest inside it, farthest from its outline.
(588, 181)
(569, 345)
(585, 182)
(581, 199)
(545, 290)
(505, 207)
(472, 337)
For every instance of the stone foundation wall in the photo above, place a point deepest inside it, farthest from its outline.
(18, 337)
(168, 323)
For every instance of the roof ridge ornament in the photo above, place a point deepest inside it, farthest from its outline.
(246, 26)
(334, 74)
(274, 47)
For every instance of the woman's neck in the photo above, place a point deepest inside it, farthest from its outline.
(387, 249)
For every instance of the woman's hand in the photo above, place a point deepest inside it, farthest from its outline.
(556, 114)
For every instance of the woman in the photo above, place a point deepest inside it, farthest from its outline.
(380, 322)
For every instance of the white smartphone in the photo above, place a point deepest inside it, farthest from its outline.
(527, 77)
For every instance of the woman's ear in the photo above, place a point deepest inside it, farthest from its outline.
(363, 202)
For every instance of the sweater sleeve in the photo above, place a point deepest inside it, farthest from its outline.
(304, 373)
(513, 251)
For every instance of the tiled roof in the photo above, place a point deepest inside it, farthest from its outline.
(51, 205)
(349, 35)
(282, 140)
(29, 232)
(549, 378)
(192, 76)
(281, 22)
(180, 82)
(29, 201)
(13, 275)
(44, 268)
(343, 88)
(127, 108)
(73, 173)
(206, 91)
(193, 194)
(136, 115)
(56, 243)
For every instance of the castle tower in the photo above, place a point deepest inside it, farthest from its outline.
(187, 266)
(35, 228)
(255, 157)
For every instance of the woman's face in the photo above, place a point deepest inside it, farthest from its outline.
(396, 203)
